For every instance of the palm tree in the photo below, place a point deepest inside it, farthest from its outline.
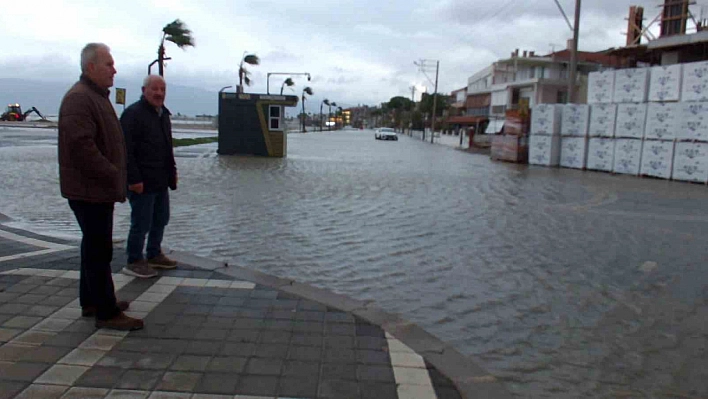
(177, 33)
(243, 74)
(288, 82)
(325, 102)
(329, 114)
(308, 91)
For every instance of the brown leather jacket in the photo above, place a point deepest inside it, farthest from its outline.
(92, 165)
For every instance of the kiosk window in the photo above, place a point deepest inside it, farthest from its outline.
(275, 116)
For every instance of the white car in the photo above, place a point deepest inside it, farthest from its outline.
(385, 133)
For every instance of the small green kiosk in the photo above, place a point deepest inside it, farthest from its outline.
(253, 124)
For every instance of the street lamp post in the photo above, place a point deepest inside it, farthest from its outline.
(224, 88)
(283, 73)
(303, 113)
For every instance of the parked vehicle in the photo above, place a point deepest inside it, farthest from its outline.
(385, 133)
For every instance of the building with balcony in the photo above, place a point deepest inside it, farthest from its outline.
(527, 79)
(458, 100)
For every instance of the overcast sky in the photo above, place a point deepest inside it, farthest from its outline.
(358, 52)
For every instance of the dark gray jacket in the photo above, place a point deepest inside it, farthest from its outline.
(148, 140)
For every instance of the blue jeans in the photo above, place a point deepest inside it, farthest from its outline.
(150, 213)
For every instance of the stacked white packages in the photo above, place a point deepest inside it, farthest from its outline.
(631, 85)
(546, 119)
(601, 153)
(694, 121)
(657, 158)
(628, 155)
(575, 120)
(691, 162)
(601, 86)
(574, 152)
(544, 139)
(665, 83)
(695, 82)
(544, 150)
(631, 119)
(663, 120)
(602, 120)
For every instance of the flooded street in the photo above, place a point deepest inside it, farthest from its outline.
(561, 283)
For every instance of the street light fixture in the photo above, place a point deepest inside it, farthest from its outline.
(284, 73)
(224, 88)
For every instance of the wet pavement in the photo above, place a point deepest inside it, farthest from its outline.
(207, 335)
(562, 283)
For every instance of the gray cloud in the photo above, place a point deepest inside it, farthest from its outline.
(357, 51)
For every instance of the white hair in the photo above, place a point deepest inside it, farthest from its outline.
(149, 78)
(88, 54)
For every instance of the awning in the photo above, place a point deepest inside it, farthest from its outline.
(466, 120)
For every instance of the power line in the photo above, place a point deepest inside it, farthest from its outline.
(501, 9)
(492, 10)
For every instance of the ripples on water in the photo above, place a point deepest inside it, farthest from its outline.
(533, 271)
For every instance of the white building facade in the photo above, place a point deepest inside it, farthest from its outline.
(524, 79)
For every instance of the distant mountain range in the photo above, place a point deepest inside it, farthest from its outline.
(46, 96)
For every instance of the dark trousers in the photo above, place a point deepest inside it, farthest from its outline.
(96, 279)
(150, 213)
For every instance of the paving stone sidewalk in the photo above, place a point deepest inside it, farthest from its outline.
(208, 334)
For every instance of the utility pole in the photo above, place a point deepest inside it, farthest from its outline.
(422, 67)
(574, 54)
(410, 124)
(435, 102)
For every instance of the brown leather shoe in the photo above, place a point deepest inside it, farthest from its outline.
(140, 269)
(90, 311)
(162, 262)
(121, 322)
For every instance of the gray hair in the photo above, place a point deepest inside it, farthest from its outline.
(146, 81)
(88, 54)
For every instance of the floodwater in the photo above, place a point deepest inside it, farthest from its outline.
(561, 283)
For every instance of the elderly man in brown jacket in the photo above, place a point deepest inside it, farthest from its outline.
(92, 175)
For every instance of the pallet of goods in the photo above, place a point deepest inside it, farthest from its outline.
(663, 120)
(574, 151)
(631, 120)
(601, 86)
(601, 154)
(575, 120)
(544, 150)
(603, 118)
(631, 85)
(691, 162)
(657, 158)
(510, 148)
(695, 82)
(665, 83)
(628, 156)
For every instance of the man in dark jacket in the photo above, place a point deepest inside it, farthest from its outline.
(151, 171)
(92, 176)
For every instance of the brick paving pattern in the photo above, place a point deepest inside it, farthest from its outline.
(206, 336)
